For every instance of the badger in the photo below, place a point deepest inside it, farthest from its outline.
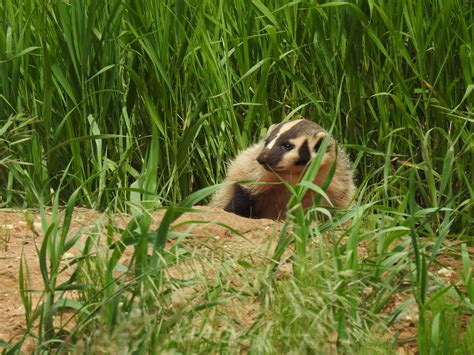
(283, 155)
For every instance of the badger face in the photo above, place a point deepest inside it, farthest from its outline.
(289, 146)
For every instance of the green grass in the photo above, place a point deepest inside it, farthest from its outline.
(130, 106)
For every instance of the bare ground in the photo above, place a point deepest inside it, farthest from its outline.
(21, 241)
(254, 237)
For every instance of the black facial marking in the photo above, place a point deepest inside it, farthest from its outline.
(241, 203)
(317, 145)
(304, 154)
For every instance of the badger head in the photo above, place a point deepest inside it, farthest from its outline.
(290, 145)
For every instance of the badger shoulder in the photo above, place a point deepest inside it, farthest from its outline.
(342, 187)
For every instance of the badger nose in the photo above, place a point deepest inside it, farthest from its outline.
(262, 159)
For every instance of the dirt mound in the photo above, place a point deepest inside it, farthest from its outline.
(18, 242)
(210, 230)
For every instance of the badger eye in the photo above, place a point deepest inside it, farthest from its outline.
(287, 146)
(265, 141)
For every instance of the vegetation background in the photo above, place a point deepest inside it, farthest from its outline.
(120, 105)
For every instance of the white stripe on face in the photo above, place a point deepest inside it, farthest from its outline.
(284, 128)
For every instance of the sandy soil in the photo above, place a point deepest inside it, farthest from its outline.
(19, 242)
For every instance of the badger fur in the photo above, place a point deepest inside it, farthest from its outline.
(283, 154)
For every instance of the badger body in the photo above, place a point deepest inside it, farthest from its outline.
(283, 155)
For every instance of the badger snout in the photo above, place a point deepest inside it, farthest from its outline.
(266, 160)
(262, 159)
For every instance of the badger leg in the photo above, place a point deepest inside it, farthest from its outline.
(241, 202)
